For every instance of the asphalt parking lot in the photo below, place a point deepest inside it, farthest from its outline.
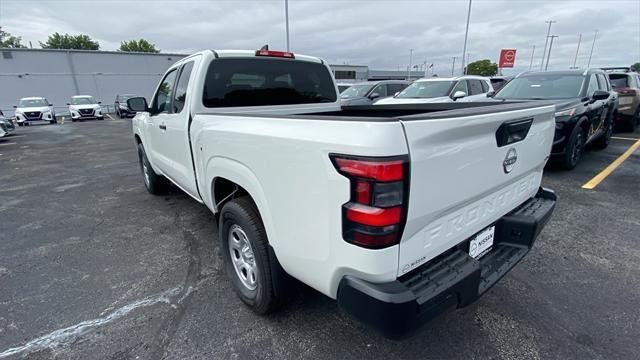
(94, 267)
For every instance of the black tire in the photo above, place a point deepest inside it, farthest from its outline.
(574, 149)
(603, 141)
(155, 184)
(241, 213)
(101, 118)
(20, 124)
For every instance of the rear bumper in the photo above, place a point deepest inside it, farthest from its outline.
(453, 279)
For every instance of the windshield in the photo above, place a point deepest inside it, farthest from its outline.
(619, 80)
(32, 103)
(426, 89)
(542, 87)
(356, 91)
(83, 101)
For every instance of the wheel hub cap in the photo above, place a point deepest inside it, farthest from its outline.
(242, 257)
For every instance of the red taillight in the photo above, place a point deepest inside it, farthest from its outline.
(282, 54)
(375, 214)
(376, 170)
(372, 216)
(625, 91)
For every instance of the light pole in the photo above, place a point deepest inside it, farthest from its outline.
(532, 52)
(466, 34)
(286, 15)
(546, 41)
(549, 53)
(592, 45)
(410, 60)
(453, 66)
(426, 69)
(575, 58)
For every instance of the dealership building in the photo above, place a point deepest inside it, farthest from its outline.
(59, 74)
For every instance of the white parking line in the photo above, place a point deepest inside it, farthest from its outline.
(8, 143)
(110, 117)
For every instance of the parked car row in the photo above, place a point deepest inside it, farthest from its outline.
(32, 110)
(589, 104)
(6, 126)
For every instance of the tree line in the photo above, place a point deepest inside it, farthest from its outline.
(75, 42)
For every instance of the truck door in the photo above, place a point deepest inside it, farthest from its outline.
(594, 108)
(177, 148)
(155, 126)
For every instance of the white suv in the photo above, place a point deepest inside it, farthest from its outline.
(34, 110)
(83, 107)
(442, 90)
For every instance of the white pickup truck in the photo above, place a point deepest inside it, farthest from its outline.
(398, 212)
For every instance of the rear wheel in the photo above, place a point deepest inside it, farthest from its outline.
(245, 250)
(574, 149)
(155, 184)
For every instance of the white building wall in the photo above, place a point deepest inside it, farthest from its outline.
(60, 74)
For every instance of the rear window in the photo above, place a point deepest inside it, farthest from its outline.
(619, 80)
(264, 81)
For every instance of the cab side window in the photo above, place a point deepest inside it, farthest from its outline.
(475, 87)
(380, 90)
(460, 86)
(593, 85)
(162, 101)
(181, 88)
(604, 86)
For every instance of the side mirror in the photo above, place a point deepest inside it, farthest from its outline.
(50, 104)
(600, 95)
(490, 93)
(99, 102)
(15, 106)
(374, 96)
(68, 104)
(458, 95)
(396, 94)
(138, 104)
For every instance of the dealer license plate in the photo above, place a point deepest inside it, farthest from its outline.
(481, 243)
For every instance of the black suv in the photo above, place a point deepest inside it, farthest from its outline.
(585, 106)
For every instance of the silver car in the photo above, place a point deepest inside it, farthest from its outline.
(367, 93)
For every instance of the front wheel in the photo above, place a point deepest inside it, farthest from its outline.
(245, 250)
(155, 184)
(574, 149)
(603, 141)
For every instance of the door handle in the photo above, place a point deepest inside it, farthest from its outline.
(513, 131)
(163, 127)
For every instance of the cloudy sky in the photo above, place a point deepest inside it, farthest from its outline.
(372, 32)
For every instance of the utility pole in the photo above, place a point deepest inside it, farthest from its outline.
(467, 65)
(549, 53)
(410, 60)
(286, 15)
(532, 52)
(466, 34)
(575, 58)
(546, 42)
(454, 64)
(592, 45)
(426, 69)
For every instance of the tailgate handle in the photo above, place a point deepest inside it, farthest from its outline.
(512, 131)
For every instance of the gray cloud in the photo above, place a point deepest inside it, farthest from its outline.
(374, 33)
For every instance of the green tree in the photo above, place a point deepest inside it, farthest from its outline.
(141, 45)
(482, 68)
(67, 41)
(9, 41)
(636, 66)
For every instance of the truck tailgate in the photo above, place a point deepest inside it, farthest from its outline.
(467, 171)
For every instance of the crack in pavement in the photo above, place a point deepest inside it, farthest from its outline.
(71, 333)
(169, 326)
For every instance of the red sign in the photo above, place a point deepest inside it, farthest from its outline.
(507, 58)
